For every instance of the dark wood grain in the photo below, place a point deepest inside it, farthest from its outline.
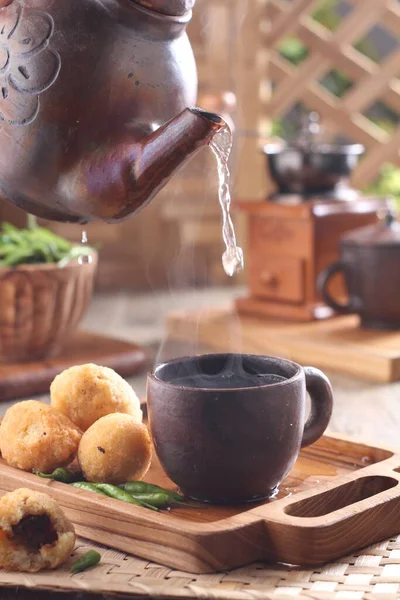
(19, 380)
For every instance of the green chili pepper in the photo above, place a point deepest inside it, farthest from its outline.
(88, 487)
(158, 499)
(90, 559)
(17, 257)
(60, 474)
(118, 494)
(141, 487)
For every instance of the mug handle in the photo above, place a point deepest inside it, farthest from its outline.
(321, 394)
(322, 285)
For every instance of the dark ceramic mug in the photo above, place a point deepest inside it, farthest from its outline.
(228, 428)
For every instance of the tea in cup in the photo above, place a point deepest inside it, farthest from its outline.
(228, 428)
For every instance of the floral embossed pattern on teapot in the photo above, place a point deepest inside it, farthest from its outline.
(93, 97)
(28, 65)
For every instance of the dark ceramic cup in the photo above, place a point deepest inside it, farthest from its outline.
(228, 428)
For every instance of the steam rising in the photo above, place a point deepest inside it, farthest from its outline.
(223, 371)
(189, 268)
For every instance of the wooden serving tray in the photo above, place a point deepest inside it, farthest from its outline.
(340, 496)
(334, 344)
(18, 380)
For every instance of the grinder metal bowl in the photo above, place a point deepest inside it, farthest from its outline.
(308, 167)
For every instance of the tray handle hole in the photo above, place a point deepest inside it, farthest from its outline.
(341, 496)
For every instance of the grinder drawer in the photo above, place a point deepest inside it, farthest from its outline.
(277, 278)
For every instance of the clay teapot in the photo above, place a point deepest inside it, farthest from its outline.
(93, 97)
(370, 263)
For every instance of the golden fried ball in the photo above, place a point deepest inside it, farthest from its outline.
(88, 392)
(115, 449)
(35, 534)
(34, 435)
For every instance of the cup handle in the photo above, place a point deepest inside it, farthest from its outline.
(322, 285)
(320, 390)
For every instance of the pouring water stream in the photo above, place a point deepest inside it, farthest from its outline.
(232, 259)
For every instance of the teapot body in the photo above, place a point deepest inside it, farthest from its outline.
(372, 278)
(78, 78)
(370, 263)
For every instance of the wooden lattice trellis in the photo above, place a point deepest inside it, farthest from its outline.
(328, 50)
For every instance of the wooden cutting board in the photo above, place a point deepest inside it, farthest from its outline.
(338, 344)
(18, 380)
(340, 496)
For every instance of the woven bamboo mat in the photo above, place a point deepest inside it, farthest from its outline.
(371, 574)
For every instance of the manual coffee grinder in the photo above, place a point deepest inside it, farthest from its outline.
(295, 232)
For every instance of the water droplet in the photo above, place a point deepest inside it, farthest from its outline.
(288, 491)
(85, 258)
(232, 260)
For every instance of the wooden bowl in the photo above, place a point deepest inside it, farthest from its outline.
(40, 306)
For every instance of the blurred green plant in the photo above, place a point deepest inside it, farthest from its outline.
(293, 50)
(36, 245)
(387, 184)
(384, 116)
(327, 14)
(336, 82)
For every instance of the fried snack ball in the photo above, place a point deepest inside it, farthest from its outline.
(115, 449)
(88, 392)
(34, 435)
(35, 534)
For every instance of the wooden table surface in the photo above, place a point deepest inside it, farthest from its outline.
(365, 410)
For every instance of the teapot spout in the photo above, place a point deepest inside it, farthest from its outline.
(165, 151)
(120, 180)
